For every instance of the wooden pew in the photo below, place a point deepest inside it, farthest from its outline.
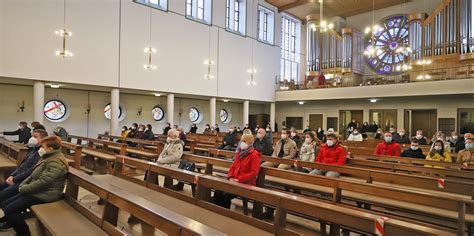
(413, 161)
(83, 221)
(11, 155)
(415, 200)
(144, 148)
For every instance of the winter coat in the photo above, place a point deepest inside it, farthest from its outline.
(297, 140)
(334, 155)
(289, 149)
(149, 135)
(26, 167)
(355, 137)
(435, 156)
(263, 146)
(465, 156)
(246, 169)
(230, 139)
(389, 149)
(171, 154)
(418, 153)
(401, 139)
(308, 153)
(23, 134)
(48, 178)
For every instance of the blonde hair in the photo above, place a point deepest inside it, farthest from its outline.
(247, 137)
(173, 132)
(247, 131)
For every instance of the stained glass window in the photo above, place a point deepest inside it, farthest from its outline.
(194, 115)
(158, 113)
(224, 115)
(55, 110)
(107, 111)
(394, 34)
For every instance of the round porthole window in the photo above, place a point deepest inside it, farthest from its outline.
(107, 112)
(158, 113)
(194, 114)
(55, 110)
(225, 116)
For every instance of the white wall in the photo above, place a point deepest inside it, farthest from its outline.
(103, 58)
(80, 123)
(446, 107)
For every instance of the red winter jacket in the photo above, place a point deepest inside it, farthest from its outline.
(335, 155)
(246, 170)
(389, 149)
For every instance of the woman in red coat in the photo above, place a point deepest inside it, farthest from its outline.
(244, 170)
(387, 147)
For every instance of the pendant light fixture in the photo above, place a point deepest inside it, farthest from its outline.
(64, 34)
(252, 71)
(150, 50)
(373, 30)
(209, 63)
(323, 25)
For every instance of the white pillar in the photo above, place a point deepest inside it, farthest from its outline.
(170, 108)
(38, 103)
(272, 116)
(212, 118)
(114, 111)
(245, 118)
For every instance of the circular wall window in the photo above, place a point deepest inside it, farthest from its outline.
(55, 110)
(107, 111)
(158, 113)
(225, 116)
(194, 115)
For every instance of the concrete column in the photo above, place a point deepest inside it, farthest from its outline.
(38, 101)
(272, 116)
(212, 118)
(245, 118)
(114, 111)
(170, 108)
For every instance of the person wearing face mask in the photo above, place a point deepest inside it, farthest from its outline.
(23, 132)
(207, 130)
(36, 125)
(295, 137)
(285, 148)
(421, 139)
(124, 132)
(230, 139)
(378, 134)
(413, 151)
(320, 133)
(172, 152)
(61, 133)
(439, 135)
(263, 143)
(193, 129)
(133, 130)
(392, 131)
(401, 137)
(454, 140)
(9, 188)
(140, 134)
(246, 127)
(45, 184)
(308, 150)
(388, 147)
(330, 153)
(308, 129)
(351, 126)
(167, 128)
(461, 145)
(364, 129)
(330, 131)
(373, 127)
(438, 153)
(182, 135)
(355, 136)
(216, 128)
(244, 170)
(467, 155)
(149, 135)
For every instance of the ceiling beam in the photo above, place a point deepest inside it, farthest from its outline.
(295, 4)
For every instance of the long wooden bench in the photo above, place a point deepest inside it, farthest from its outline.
(415, 199)
(284, 203)
(412, 161)
(11, 155)
(147, 149)
(81, 220)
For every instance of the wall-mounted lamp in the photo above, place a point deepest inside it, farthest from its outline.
(88, 109)
(21, 108)
(140, 110)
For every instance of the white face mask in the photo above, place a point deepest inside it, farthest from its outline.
(141, 130)
(293, 134)
(41, 152)
(243, 146)
(308, 140)
(283, 136)
(32, 142)
(437, 148)
(231, 130)
(419, 136)
(330, 143)
(259, 136)
(455, 137)
(388, 139)
(268, 129)
(414, 148)
(401, 133)
(439, 138)
(356, 132)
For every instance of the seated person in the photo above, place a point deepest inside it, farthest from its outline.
(388, 146)
(308, 151)
(133, 130)
(453, 140)
(23, 132)
(295, 137)
(285, 148)
(245, 131)
(61, 133)
(9, 188)
(330, 153)
(244, 170)
(45, 184)
(230, 139)
(263, 143)
(124, 132)
(182, 135)
(167, 128)
(467, 155)
(413, 151)
(401, 137)
(420, 137)
(217, 129)
(378, 134)
(149, 135)
(355, 136)
(193, 129)
(36, 125)
(140, 134)
(330, 131)
(460, 146)
(172, 152)
(438, 154)
(207, 130)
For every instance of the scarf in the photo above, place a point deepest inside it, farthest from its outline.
(245, 152)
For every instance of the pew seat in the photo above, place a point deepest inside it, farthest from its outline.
(219, 222)
(52, 214)
(101, 155)
(145, 154)
(6, 166)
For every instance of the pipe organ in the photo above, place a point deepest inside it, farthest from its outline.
(448, 30)
(331, 52)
